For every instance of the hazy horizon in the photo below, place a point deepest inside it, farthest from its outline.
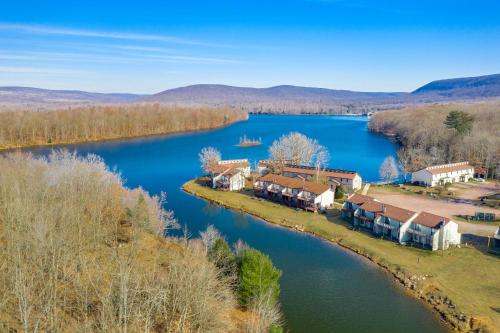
(336, 44)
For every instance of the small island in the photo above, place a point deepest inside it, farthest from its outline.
(248, 142)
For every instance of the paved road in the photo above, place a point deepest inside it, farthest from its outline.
(438, 207)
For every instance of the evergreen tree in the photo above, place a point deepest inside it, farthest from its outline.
(459, 121)
(257, 276)
(339, 192)
(222, 256)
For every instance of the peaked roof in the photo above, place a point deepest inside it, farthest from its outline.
(359, 199)
(390, 211)
(437, 169)
(327, 172)
(296, 183)
(224, 165)
(430, 220)
(231, 172)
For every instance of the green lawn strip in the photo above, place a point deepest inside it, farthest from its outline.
(467, 276)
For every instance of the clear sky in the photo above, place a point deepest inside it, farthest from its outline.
(147, 46)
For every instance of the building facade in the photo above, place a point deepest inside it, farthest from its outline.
(442, 174)
(400, 225)
(432, 231)
(241, 164)
(231, 180)
(295, 192)
(494, 243)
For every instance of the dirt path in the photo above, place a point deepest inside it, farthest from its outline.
(438, 207)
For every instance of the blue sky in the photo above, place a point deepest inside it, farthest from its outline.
(148, 46)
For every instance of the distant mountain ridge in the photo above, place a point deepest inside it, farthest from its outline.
(468, 87)
(217, 93)
(38, 95)
(277, 99)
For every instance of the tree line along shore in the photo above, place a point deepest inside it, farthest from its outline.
(95, 123)
(80, 252)
(444, 133)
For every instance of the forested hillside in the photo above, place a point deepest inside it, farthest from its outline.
(82, 253)
(79, 252)
(93, 123)
(444, 133)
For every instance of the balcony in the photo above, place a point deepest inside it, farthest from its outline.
(259, 187)
(384, 225)
(416, 232)
(273, 189)
(363, 217)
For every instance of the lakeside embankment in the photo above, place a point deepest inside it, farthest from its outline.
(460, 284)
(20, 129)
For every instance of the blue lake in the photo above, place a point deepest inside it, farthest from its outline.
(324, 288)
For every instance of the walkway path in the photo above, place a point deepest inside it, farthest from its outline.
(365, 189)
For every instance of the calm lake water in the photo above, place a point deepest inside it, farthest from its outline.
(324, 288)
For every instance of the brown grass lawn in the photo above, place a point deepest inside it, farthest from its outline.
(468, 276)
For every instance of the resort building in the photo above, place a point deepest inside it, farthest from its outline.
(230, 174)
(295, 192)
(390, 222)
(442, 174)
(494, 242)
(432, 231)
(350, 180)
(353, 202)
(263, 167)
(382, 219)
(401, 225)
(232, 179)
(242, 164)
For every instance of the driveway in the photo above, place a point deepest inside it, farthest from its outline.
(438, 207)
(473, 190)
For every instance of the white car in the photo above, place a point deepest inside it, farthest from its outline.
(479, 180)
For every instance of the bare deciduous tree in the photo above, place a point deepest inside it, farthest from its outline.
(296, 148)
(209, 236)
(91, 123)
(426, 141)
(389, 169)
(78, 252)
(209, 157)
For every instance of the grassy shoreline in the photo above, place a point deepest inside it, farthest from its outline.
(460, 284)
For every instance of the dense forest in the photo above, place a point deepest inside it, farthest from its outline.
(93, 123)
(79, 252)
(444, 133)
